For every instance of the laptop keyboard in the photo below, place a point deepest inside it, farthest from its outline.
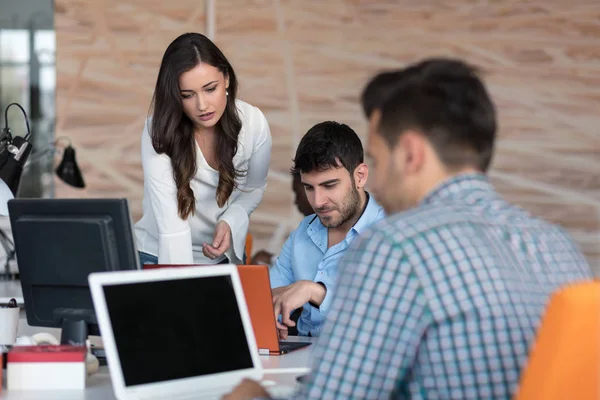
(286, 347)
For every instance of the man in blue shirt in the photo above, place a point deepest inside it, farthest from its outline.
(330, 162)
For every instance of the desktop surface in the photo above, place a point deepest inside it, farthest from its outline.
(99, 387)
(281, 369)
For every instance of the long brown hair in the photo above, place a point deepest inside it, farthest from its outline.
(172, 131)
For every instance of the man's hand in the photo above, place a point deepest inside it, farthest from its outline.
(262, 257)
(221, 241)
(282, 330)
(287, 298)
(248, 389)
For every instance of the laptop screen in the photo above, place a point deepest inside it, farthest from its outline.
(177, 329)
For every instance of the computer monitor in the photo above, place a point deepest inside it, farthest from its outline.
(58, 243)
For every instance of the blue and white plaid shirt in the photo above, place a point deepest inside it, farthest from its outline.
(443, 301)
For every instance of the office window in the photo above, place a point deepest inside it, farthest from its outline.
(14, 74)
(14, 45)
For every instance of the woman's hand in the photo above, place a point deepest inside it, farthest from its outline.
(221, 241)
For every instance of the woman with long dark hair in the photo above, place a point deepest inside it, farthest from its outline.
(205, 156)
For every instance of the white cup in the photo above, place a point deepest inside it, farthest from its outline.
(9, 323)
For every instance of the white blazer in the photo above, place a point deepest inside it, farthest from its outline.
(161, 232)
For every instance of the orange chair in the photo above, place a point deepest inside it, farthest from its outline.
(564, 362)
(248, 249)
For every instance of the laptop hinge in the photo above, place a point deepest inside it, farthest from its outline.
(264, 352)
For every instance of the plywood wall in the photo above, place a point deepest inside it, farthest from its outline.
(303, 62)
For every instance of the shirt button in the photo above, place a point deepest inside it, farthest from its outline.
(321, 273)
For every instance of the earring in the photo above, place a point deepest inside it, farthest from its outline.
(226, 93)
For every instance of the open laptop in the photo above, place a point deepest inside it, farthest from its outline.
(176, 332)
(257, 291)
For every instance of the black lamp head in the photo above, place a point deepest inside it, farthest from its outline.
(68, 170)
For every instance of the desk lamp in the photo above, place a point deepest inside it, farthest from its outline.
(68, 170)
(14, 152)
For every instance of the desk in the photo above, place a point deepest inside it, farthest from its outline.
(99, 386)
(297, 361)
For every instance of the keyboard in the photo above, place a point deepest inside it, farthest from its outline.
(286, 347)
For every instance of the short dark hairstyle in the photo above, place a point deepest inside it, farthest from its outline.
(378, 90)
(325, 146)
(446, 101)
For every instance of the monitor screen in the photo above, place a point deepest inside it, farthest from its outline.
(58, 243)
(176, 329)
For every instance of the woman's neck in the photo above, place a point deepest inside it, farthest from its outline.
(203, 132)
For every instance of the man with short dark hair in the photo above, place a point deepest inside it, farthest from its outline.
(442, 299)
(303, 206)
(330, 163)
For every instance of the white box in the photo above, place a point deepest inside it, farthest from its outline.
(46, 368)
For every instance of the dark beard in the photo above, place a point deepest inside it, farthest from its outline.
(350, 209)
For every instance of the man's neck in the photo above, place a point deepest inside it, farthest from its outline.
(435, 180)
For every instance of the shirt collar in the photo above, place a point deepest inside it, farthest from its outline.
(469, 187)
(368, 216)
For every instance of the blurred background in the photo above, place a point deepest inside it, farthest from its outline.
(86, 69)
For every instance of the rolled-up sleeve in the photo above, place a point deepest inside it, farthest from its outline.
(329, 283)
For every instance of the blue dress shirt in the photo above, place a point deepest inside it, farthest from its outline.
(305, 256)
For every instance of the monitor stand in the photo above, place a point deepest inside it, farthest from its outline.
(75, 328)
(75, 325)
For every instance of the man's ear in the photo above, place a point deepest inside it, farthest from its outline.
(410, 151)
(361, 174)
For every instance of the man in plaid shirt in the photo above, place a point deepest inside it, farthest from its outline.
(443, 298)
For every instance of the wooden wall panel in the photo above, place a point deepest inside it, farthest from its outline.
(303, 62)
